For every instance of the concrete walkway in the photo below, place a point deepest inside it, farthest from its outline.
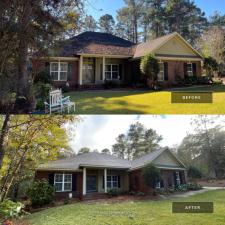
(191, 193)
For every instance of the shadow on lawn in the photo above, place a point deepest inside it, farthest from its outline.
(102, 106)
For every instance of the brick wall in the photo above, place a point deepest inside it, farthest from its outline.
(177, 68)
(40, 65)
(40, 175)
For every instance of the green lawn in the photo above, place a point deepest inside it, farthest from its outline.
(145, 102)
(133, 213)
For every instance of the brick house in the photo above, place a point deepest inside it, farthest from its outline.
(91, 175)
(92, 58)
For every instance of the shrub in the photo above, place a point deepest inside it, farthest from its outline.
(182, 187)
(150, 66)
(151, 175)
(41, 92)
(10, 209)
(139, 193)
(132, 193)
(210, 65)
(194, 187)
(111, 84)
(43, 77)
(194, 172)
(41, 193)
(113, 192)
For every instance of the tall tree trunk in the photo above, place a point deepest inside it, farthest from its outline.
(4, 131)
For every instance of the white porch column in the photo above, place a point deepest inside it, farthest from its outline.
(105, 179)
(81, 71)
(84, 181)
(103, 69)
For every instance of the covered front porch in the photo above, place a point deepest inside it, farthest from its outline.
(101, 180)
(97, 69)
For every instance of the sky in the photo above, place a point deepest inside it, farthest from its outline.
(96, 8)
(99, 132)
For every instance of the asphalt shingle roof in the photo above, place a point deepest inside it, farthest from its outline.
(100, 160)
(97, 43)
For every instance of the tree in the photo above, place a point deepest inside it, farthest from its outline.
(106, 151)
(84, 150)
(154, 19)
(184, 17)
(106, 24)
(212, 43)
(120, 148)
(138, 141)
(151, 175)
(130, 17)
(210, 65)
(150, 66)
(194, 172)
(204, 148)
(31, 140)
(27, 26)
(89, 24)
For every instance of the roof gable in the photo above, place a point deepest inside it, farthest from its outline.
(167, 159)
(169, 44)
(176, 46)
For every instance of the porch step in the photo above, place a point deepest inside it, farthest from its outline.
(94, 196)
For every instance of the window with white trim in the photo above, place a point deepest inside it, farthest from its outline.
(112, 72)
(160, 76)
(158, 185)
(59, 71)
(112, 182)
(63, 182)
(190, 69)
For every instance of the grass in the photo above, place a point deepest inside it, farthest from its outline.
(138, 213)
(145, 102)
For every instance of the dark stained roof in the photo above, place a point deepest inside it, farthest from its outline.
(97, 43)
(100, 160)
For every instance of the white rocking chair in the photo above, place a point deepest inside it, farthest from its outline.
(57, 103)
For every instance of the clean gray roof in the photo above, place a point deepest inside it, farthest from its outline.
(100, 160)
(146, 159)
(92, 159)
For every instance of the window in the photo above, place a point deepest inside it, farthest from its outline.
(112, 72)
(58, 71)
(161, 72)
(190, 69)
(112, 182)
(177, 178)
(158, 185)
(63, 182)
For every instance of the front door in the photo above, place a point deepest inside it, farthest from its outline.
(88, 71)
(91, 183)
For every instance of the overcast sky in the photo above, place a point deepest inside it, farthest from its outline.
(99, 132)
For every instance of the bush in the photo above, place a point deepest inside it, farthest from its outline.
(114, 192)
(139, 193)
(111, 84)
(150, 66)
(41, 92)
(182, 187)
(151, 175)
(132, 193)
(10, 209)
(194, 187)
(41, 193)
(43, 77)
(194, 172)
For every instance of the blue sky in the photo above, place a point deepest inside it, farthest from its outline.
(111, 6)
